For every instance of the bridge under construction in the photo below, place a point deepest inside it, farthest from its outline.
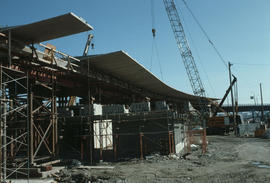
(54, 105)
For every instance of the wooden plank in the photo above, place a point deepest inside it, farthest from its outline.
(96, 167)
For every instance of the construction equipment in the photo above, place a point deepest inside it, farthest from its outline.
(219, 125)
(225, 96)
(184, 48)
(187, 57)
(72, 99)
(214, 122)
(88, 42)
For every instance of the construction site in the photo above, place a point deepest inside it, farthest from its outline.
(106, 118)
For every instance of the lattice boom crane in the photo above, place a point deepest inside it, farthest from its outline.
(184, 48)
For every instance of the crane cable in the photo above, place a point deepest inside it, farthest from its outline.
(197, 53)
(152, 16)
(158, 58)
(205, 34)
(154, 44)
(153, 32)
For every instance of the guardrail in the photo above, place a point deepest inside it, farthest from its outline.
(59, 58)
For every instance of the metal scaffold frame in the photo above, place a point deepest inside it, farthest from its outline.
(29, 133)
(14, 129)
(42, 113)
(43, 124)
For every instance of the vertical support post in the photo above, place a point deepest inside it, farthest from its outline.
(230, 77)
(53, 125)
(56, 126)
(82, 148)
(100, 140)
(115, 146)
(141, 145)
(170, 145)
(12, 148)
(9, 48)
(173, 146)
(4, 121)
(187, 147)
(204, 143)
(89, 117)
(91, 140)
(54, 117)
(99, 95)
(106, 135)
(262, 110)
(1, 125)
(189, 141)
(30, 122)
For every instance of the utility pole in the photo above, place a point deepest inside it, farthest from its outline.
(262, 116)
(230, 76)
(1, 123)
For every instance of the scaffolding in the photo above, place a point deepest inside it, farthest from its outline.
(14, 124)
(37, 81)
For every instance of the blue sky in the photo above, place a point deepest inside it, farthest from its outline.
(240, 30)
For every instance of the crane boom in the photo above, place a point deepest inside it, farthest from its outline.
(89, 39)
(184, 49)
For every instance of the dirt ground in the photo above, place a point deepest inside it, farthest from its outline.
(228, 159)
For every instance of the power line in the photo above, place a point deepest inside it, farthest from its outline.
(152, 13)
(155, 50)
(247, 64)
(152, 53)
(158, 58)
(205, 34)
(197, 52)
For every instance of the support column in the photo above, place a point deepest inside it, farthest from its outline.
(54, 119)
(141, 146)
(82, 148)
(100, 141)
(173, 146)
(1, 124)
(115, 146)
(204, 143)
(4, 122)
(262, 110)
(30, 122)
(170, 144)
(90, 122)
(89, 117)
(189, 141)
(9, 48)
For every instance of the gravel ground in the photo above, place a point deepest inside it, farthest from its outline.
(228, 159)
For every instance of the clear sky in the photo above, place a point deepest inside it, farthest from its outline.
(239, 29)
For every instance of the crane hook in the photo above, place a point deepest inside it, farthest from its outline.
(154, 32)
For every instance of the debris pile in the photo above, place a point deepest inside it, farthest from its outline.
(87, 174)
(267, 134)
(248, 130)
(78, 175)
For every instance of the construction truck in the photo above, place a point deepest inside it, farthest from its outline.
(221, 125)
